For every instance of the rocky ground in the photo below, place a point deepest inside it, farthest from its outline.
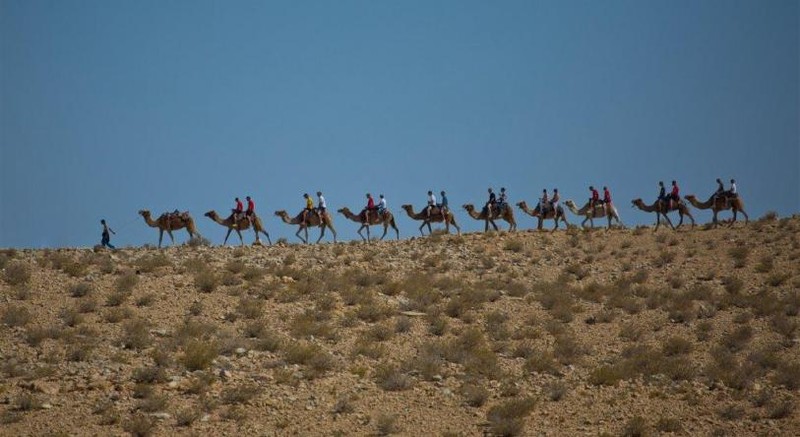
(627, 332)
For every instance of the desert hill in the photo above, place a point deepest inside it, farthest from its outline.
(627, 332)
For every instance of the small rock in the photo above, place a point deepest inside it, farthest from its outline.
(437, 377)
(161, 416)
(205, 418)
(47, 406)
(240, 351)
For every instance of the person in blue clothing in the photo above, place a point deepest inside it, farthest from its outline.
(106, 237)
(443, 207)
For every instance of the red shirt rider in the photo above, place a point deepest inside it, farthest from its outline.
(251, 206)
(606, 195)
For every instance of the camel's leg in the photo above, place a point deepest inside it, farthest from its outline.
(241, 241)
(321, 232)
(385, 229)
(368, 236)
(420, 228)
(396, 231)
(746, 218)
(453, 222)
(360, 234)
(267, 235)
(224, 242)
(680, 214)
(333, 231)
(160, 237)
(171, 238)
(430, 231)
(299, 236)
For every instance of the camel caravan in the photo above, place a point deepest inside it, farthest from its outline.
(494, 209)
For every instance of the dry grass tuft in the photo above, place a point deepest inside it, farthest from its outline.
(508, 418)
(17, 273)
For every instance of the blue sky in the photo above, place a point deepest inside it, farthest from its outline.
(108, 107)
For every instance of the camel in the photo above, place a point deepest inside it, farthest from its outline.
(720, 203)
(550, 214)
(435, 217)
(239, 226)
(661, 209)
(313, 219)
(170, 222)
(609, 212)
(386, 219)
(506, 214)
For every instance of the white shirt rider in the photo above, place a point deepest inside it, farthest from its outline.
(322, 202)
(382, 204)
(432, 199)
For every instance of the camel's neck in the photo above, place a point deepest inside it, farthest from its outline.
(349, 215)
(149, 220)
(701, 205)
(474, 214)
(216, 218)
(412, 214)
(287, 220)
(526, 210)
(647, 208)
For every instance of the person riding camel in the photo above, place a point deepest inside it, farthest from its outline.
(251, 208)
(502, 202)
(382, 206)
(675, 195)
(443, 207)
(431, 203)
(309, 207)
(732, 192)
(554, 200)
(543, 201)
(370, 206)
(662, 193)
(595, 199)
(236, 212)
(491, 202)
(322, 206)
(606, 200)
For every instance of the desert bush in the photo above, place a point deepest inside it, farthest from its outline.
(87, 305)
(369, 349)
(567, 349)
(117, 298)
(17, 273)
(386, 424)
(71, 317)
(206, 281)
(508, 418)
(140, 425)
(186, 416)
(739, 254)
(201, 383)
(788, 375)
(738, 338)
(16, 315)
(135, 334)
(150, 263)
(118, 314)
(428, 360)
(315, 357)
(669, 424)
(636, 426)
(474, 395)
(391, 378)
(149, 375)
(556, 390)
(541, 362)
(199, 354)
(80, 289)
(27, 402)
(125, 283)
(239, 394)
(605, 375)
(515, 246)
(146, 300)
(403, 324)
(250, 308)
(676, 346)
(36, 334)
(777, 279)
(780, 409)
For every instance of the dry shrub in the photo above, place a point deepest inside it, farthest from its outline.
(140, 425)
(369, 349)
(125, 283)
(635, 427)
(474, 395)
(186, 417)
(80, 289)
(17, 273)
(311, 323)
(250, 308)
(16, 315)
(199, 354)
(669, 424)
(390, 378)
(206, 281)
(403, 324)
(541, 362)
(508, 418)
(116, 315)
(676, 346)
(150, 263)
(135, 334)
(738, 338)
(777, 279)
(146, 300)
(567, 349)
(239, 394)
(71, 317)
(315, 357)
(788, 375)
(605, 375)
(739, 254)
(149, 375)
(386, 424)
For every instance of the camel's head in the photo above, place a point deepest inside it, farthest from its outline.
(569, 203)
(281, 213)
(211, 214)
(637, 202)
(468, 207)
(144, 212)
(407, 207)
(522, 204)
(343, 210)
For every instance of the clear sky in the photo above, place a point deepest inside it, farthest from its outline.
(108, 107)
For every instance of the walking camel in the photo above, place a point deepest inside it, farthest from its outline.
(661, 209)
(554, 214)
(386, 219)
(506, 214)
(435, 217)
(720, 203)
(170, 222)
(313, 219)
(610, 212)
(239, 226)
